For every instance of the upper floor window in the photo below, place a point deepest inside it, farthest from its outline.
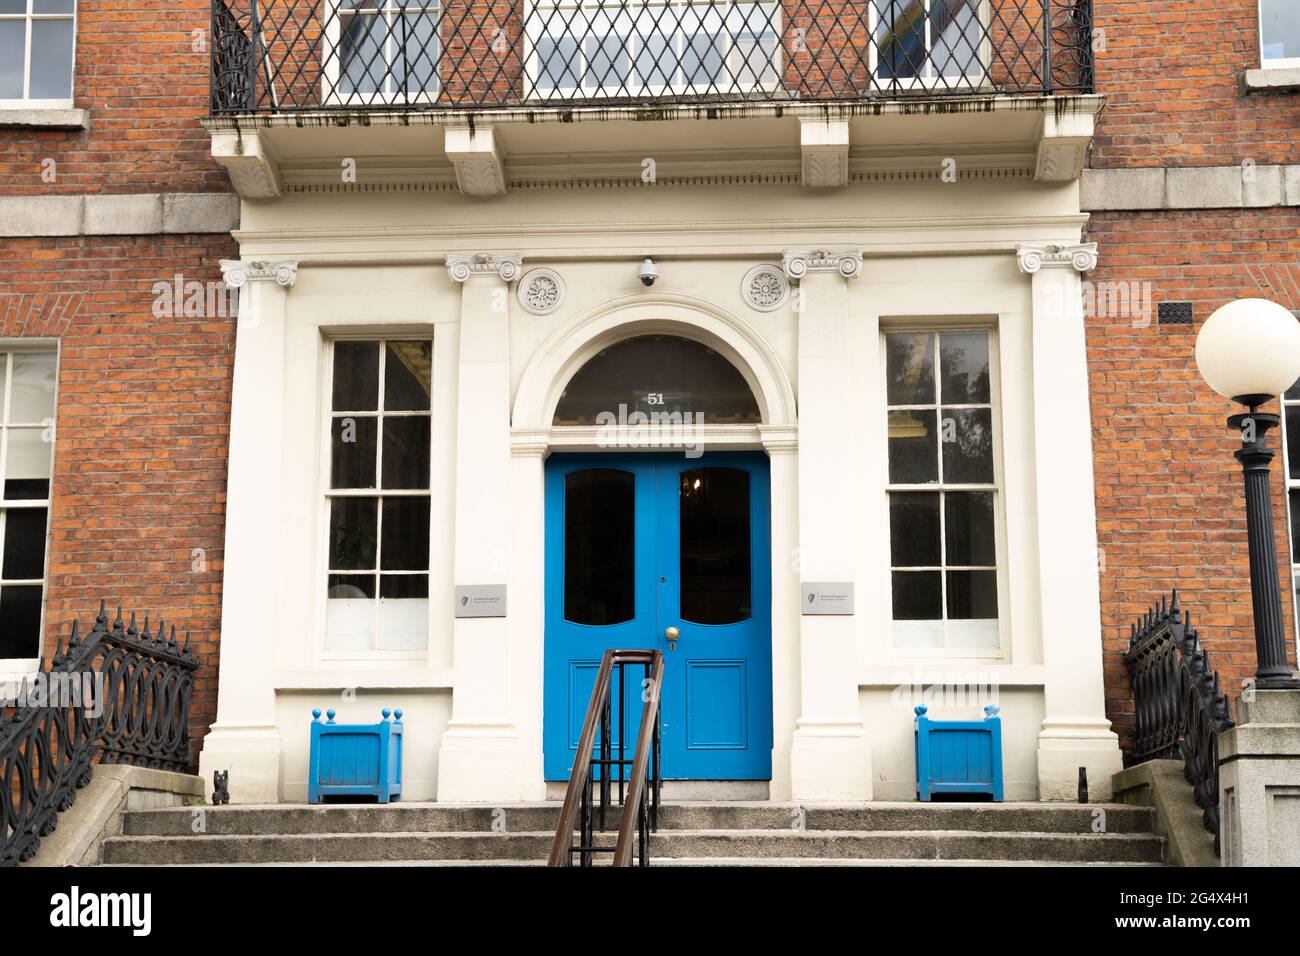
(377, 579)
(924, 39)
(37, 38)
(652, 47)
(1279, 33)
(943, 491)
(383, 51)
(27, 380)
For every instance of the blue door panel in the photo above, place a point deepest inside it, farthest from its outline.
(716, 705)
(717, 694)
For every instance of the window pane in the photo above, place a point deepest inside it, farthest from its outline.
(557, 63)
(715, 564)
(913, 447)
(658, 374)
(914, 529)
(900, 38)
(406, 452)
(1293, 393)
(405, 535)
(24, 544)
(655, 63)
(1279, 24)
(404, 617)
(608, 64)
(353, 530)
(955, 37)
(972, 594)
(353, 452)
(32, 399)
(343, 586)
(13, 6)
(599, 543)
(27, 469)
(917, 596)
(52, 6)
(356, 376)
(417, 70)
(51, 59)
(360, 49)
(968, 446)
(13, 44)
(1295, 525)
(20, 610)
(1293, 440)
(968, 524)
(964, 368)
(407, 376)
(909, 368)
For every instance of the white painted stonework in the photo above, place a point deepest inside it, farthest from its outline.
(877, 253)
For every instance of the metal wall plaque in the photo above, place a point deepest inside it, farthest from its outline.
(480, 600)
(828, 597)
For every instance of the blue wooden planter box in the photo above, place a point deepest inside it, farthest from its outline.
(959, 756)
(355, 760)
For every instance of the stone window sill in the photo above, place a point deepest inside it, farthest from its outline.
(1285, 80)
(11, 118)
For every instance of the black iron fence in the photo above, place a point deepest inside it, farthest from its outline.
(1179, 708)
(119, 695)
(286, 55)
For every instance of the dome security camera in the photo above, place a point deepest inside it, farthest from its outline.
(648, 272)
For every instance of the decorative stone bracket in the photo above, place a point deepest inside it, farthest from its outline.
(847, 263)
(253, 169)
(1063, 146)
(477, 159)
(238, 273)
(825, 148)
(505, 266)
(1081, 257)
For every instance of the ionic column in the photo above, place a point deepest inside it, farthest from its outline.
(479, 755)
(830, 756)
(1075, 731)
(245, 740)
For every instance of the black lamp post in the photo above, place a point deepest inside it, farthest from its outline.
(1249, 351)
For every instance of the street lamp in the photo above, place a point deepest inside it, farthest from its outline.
(1249, 351)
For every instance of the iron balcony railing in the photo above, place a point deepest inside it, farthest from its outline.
(291, 55)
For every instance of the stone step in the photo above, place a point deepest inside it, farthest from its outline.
(664, 861)
(290, 819)
(679, 844)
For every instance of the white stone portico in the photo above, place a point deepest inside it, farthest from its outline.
(522, 279)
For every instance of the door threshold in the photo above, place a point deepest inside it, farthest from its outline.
(673, 790)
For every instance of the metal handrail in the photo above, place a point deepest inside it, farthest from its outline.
(578, 793)
(647, 749)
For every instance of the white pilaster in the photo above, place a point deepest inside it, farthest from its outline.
(782, 446)
(527, 626)
(479, 756)
(1075, 731)
(245, 740)
(831, 753)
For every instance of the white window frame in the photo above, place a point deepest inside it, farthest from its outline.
(998, 653)
(333, 73)
(973, 81)
(25, 101)
(16, 667)
(537, 15)
(1276, 63)
(1289, 485)
(328, 494)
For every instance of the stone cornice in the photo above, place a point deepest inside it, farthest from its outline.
(847, 263)
(239, 273)
(503, 266)
(1081, 257)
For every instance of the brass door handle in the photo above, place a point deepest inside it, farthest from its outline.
(671, 633)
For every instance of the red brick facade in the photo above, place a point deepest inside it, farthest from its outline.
(143, 404)
(1170, 507)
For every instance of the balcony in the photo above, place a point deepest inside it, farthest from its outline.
(484, 64)
(295, 55)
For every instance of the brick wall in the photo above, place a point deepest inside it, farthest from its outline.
(146, 88)
(142, 429)
(1170, 507)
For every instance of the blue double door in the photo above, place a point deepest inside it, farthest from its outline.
(638, 545)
